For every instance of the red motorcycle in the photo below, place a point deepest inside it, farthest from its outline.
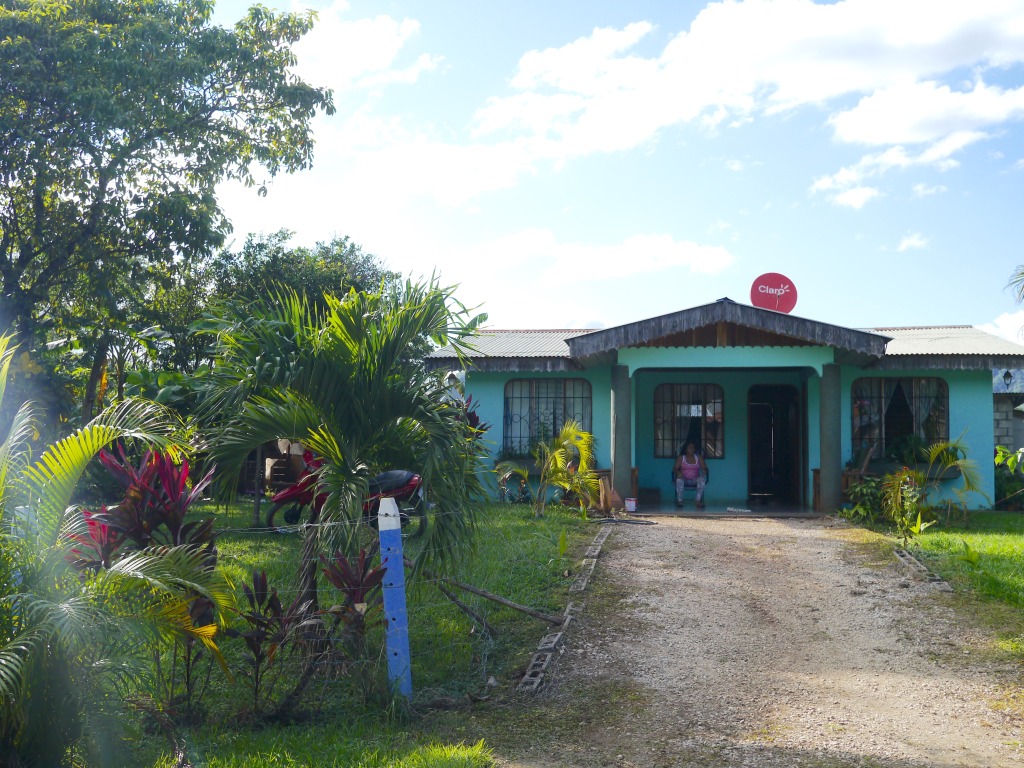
(405, 487)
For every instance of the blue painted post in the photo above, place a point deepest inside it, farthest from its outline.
(396, 617)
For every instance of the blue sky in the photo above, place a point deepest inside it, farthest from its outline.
(585, 164)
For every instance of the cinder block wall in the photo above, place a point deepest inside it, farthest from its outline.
(1003, 414)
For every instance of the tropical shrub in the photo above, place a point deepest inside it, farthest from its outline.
(866, 495)
(564, 462)
(344, 377)
(78, 613)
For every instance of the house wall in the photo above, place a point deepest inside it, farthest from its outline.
(488, 393)
(970, 414)
(736, 370)
(728, 474)
(1003, 420)
(729, 367)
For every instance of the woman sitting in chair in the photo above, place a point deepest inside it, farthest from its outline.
(690, 471)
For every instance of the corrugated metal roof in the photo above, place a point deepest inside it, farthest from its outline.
(524, 343)
(946, 340)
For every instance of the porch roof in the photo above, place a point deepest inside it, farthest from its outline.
(776, 327)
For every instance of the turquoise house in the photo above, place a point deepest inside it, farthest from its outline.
(780, 405)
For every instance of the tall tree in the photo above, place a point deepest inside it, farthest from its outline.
(117, 120)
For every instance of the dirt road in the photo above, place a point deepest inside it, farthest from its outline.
(775, 643)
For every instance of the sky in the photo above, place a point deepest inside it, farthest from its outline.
(589, 163)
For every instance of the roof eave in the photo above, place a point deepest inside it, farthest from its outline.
(507, 364)
(863, 342)
(948, 362)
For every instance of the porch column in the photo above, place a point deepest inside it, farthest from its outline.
(622, 431)
(830, 472)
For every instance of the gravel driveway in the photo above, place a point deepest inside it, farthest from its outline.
(776, 643)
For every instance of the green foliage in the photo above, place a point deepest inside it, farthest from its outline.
(866, 495)
(1009, 483)
(903, 498)
(902, 493)
(118, 119)
(70, 639)
(564, 462)
(266, 263)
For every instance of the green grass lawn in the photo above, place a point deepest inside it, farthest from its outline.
(998, 540)
(514, 555)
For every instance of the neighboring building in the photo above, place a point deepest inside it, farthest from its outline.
(771, 399)
(1008, 397)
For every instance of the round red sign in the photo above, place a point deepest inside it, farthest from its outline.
(773, 291)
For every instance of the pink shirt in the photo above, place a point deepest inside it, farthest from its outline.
(689, 471)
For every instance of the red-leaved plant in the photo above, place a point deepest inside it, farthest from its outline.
(156, 501)
(95, 548)
(270, 629)
(359, 581)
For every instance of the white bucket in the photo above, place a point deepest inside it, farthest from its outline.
(631, 505)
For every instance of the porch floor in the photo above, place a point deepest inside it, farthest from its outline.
(726, 508)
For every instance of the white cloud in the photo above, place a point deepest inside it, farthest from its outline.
(558, 262)
(938, 155)
(917, 113)
(743, 59)
(344, 54)
(913, 241)
(855, 197)
(735, 165)
(924, 190)
(1008, 325)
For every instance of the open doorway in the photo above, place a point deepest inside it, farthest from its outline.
(773, 443)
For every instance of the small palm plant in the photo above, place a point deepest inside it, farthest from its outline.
(566, 462)
(73, 625)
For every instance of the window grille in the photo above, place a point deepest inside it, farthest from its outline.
(537, 409)
(891, 414)
(684, 412)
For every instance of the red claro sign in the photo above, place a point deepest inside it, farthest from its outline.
(773, 291)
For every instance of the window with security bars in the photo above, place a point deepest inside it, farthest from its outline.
(537, 409)
(684, 412)
(890, 414)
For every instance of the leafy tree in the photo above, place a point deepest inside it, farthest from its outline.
(266, 262)
(338, 377)
(69, 636)
(117, 120)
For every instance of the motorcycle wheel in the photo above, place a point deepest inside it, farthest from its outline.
(291, 515)
(415, 510)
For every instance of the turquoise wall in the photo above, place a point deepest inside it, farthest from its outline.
(970, 409)
(728, 474)
(736, 370)
(726, 357)
(488, 392)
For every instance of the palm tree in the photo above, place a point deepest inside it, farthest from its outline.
(1017, 283)
(344, 378)
(69, 640)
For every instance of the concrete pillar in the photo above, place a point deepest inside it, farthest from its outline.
(622, 431)
(831, 461)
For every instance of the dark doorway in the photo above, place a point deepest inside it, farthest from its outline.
(773, 440)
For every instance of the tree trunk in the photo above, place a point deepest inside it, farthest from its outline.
(257, 519)
(99, 364)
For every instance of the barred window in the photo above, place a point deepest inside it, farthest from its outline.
(684, 412)
(536, 409)
(890, 414)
